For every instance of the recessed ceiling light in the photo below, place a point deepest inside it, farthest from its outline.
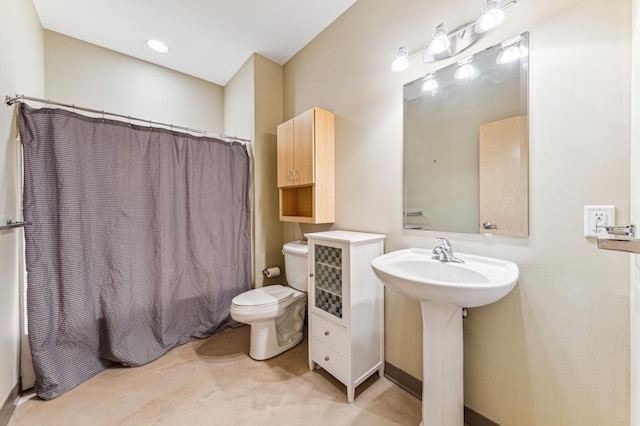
(158, 46)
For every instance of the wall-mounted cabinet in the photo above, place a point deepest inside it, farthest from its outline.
(306, 167)
(346, 306)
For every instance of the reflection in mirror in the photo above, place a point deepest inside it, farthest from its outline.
(466, 144)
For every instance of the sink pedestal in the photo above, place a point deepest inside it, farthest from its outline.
(443, 288)
(442, 365)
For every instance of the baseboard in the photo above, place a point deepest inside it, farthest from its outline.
(10, 404)
(414, 386)
(403, 379)
(472, 418)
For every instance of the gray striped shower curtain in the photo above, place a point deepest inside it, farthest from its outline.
(139, 239)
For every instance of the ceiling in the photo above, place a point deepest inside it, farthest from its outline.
(209, 39)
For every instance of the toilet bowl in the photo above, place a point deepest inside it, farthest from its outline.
(276, 313)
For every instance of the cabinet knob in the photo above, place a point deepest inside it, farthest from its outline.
(289, 176)
(326, 358)
(296, 175)
(311, 275)
(326, 332)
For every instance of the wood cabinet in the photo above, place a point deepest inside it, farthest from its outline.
(346, 306)
(306, 169)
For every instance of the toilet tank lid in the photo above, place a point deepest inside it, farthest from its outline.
(297, 247)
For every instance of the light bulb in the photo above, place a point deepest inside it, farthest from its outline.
(401, 62)
(507, 55)
(464, 71)
(438, 45)
(429, 84)
(440, 41)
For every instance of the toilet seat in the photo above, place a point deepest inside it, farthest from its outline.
(263, 297)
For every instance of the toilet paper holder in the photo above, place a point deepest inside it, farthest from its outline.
(271, 272)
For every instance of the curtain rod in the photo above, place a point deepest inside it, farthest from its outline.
(21, 98)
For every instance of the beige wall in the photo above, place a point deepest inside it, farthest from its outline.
(253, 109)
(268, 114)
(556, 350)
(239, 106)
(84, 74)
(22, 71)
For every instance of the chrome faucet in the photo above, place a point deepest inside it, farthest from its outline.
(444, 252)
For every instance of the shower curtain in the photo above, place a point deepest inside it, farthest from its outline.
(139, 239)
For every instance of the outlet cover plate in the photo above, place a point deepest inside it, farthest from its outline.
(602, 215)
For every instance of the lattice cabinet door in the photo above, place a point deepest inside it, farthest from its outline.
(328, 279)
(346, 302)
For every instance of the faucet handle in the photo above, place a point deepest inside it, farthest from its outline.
(444, 243)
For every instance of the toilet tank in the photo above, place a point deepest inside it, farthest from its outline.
(296, 268)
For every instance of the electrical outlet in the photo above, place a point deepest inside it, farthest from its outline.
(595, 216)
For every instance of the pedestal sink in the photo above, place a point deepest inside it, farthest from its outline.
(443, 289)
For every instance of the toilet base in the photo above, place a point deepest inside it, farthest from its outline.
(274, 336)
(264, 343)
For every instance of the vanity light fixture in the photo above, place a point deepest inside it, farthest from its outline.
(465, 70)
(429, 84)
(401, 62)
(157, 45)
(492, 16)
(446, 44)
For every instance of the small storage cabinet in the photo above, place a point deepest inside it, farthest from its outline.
(346, 306)
(306, 167)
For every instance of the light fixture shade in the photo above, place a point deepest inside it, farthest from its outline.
(401, 62)
(429, 84)
(507, 55)
(440, 41)
(438, 45)
(492, 16)
(158, 45)
(464, 71)
(512, 50)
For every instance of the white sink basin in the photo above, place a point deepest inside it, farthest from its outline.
(477, 282)
(443, 289)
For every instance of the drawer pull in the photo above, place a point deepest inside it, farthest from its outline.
(326, 358)
(326, 332)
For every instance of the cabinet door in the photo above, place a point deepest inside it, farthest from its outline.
(328, 276)
(303, 148)
(285, 154)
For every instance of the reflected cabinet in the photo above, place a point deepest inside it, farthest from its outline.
(346, 306)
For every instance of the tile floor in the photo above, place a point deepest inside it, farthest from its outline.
(214, 382)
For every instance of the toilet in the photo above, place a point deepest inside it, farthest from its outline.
(276, 313)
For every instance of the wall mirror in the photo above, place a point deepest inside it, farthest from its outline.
(466, 156)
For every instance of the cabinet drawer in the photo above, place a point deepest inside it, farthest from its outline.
(330, 334)
(331, 360)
